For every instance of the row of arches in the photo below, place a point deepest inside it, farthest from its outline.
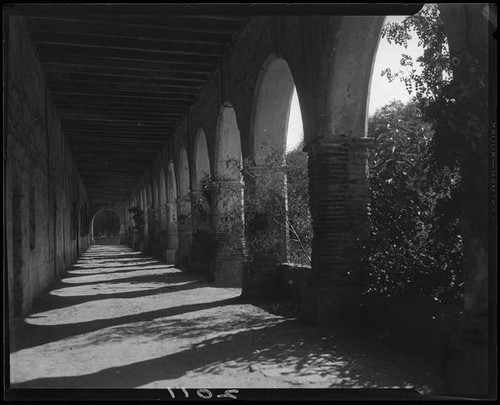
(188, 202)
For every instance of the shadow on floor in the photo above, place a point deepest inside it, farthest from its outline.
(218, 336)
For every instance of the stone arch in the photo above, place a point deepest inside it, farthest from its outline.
(201, 159)
(349, 85)
(183, 174)
(227, 197)
(228, 157)
(272, 100)
(266, 202)
(202, 237)
(115, 239)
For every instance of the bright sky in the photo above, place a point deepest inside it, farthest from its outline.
(381, 91)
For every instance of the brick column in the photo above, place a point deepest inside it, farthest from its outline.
(184, 230)
(202, 236)
(227, 214)
(339, 199)
(267, 230)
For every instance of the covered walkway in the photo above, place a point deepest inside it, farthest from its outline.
(170, 118)
(120, 319)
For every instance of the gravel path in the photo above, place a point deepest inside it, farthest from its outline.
(119, 319)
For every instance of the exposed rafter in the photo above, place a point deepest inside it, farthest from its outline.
(123, 80)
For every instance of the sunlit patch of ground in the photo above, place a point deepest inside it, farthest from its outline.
(152, 326)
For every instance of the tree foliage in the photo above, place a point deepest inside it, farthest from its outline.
(410, 251)
(299, 214)
(457, 108)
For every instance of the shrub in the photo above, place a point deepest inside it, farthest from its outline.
(415, 247)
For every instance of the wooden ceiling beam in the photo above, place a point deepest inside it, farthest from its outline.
(153, 108)
(99, 114)
(113, 29)
(161, 21)
(106, 73)
(125, 54)
(200, 68)
(135, 95)
(132, 80)
(91, 42)
(124, 86)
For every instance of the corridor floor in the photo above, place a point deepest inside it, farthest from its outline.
(120, 319)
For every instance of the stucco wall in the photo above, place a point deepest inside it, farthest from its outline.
(41, 179)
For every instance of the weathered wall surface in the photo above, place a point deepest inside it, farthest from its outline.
(45, 200)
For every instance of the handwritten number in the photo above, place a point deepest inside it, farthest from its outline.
(171, 393)
(228, 394)
(204, 393)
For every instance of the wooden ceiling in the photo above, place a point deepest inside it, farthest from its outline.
(122, 75)
(121, 82)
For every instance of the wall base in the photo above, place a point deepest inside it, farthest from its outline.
(262, 279)
(170, 256)
(228, 273)
(326, 306)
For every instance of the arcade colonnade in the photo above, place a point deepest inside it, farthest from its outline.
(242, 114)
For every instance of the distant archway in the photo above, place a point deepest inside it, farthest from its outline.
(106, 226)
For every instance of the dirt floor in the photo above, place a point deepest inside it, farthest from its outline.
(119, 319)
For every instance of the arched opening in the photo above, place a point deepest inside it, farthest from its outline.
(202, 162)
(183, 211)
(275, 88)
(202, 245)
(105, 226)
(276, 234)
(227, 197)
(228, 158)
